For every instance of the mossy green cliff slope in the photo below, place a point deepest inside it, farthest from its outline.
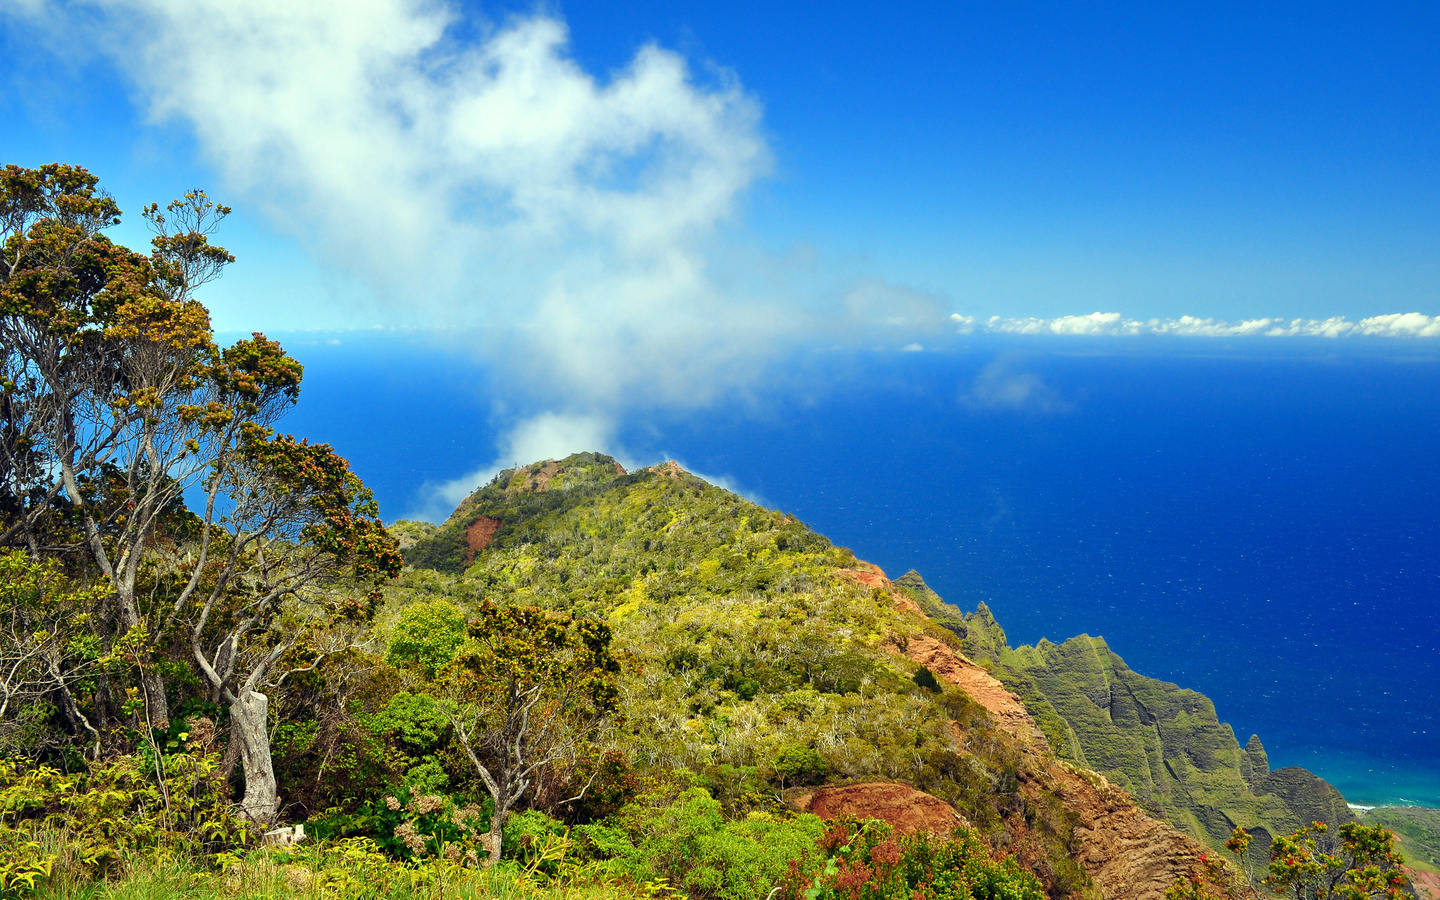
(1161, 742)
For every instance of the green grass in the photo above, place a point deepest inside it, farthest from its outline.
(1418, 829)
(315, 873)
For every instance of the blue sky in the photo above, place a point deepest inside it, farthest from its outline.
(666, 205)
(1031, 159)
(1010, 159)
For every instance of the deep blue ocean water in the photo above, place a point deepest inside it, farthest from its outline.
(1259, 525)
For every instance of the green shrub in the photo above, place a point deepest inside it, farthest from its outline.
(798, 764)
(427, 636)
(537, 842)
(112, 813)
(690, 844)
(926, 679)
(417, 720)
(410, 826)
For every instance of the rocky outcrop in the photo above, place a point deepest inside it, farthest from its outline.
(1127, 853)
(1164, 744)
(670, 469)
(1004, 705)
(901, 805)
(1309, 797)
(533, 479)
(1254, 761)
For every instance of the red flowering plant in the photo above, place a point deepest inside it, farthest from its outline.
(1362, 864)
(1210, 880)
(869, 861)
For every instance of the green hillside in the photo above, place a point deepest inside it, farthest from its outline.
(586, 683)
(1419, 831)
(748, 641)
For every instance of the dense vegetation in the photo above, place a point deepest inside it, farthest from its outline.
(616, 693)
(754, 663)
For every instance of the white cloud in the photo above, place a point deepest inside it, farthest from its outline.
(546, 436)
(1402, 325)
(1094, 323)
(1114, 324)
(1190, 326)
(1004, 387)
(571, 226)
(912, 348)
(874, 304)
(493, 184)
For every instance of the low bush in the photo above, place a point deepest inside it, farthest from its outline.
(411, 826)
(91, 825)
(868, 861)
(693, 847)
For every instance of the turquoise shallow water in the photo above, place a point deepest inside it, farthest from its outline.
(1262, 529)
(1366, 781)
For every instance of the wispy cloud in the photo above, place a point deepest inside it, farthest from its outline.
(568, 227)
(1003, 386)
(1414, 325)
(578, 230)
(568, 220)
(546, 436)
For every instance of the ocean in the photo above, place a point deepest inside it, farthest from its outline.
(1258, 521)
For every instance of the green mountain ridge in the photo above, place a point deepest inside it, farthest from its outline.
(1163, 743)
(751, 646)
(752, 643)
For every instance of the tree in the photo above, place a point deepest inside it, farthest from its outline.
(1312, 864)
(427, 636)
(46, 650)
(117, 402)
(116, 399)
(56, 274)
(301, 536)
(532, 689)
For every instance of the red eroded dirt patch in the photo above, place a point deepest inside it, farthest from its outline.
(907, 809)
(479, 535)
(669, 470)
(1427, 884)
(866, 573)
(539, 481)
(1010, 714)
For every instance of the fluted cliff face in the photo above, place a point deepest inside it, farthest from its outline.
(1127, 852)
(1161, 742)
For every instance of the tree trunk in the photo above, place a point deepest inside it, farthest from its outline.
(497, 823)
(249, 729)
(156, 700)
(152, 686)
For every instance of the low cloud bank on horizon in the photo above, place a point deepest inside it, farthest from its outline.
(1394, 325)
